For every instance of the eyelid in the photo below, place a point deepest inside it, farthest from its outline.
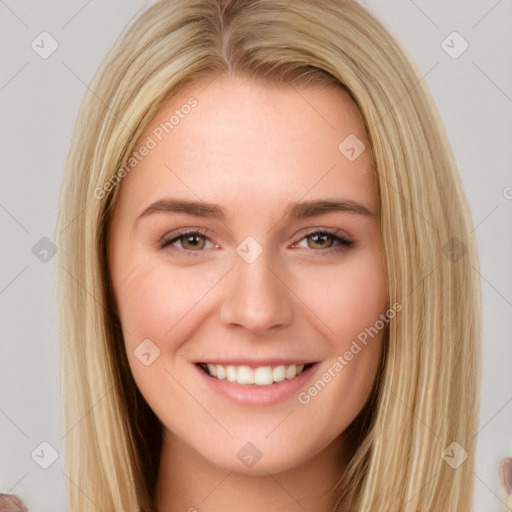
(335, 232)
(184, 231)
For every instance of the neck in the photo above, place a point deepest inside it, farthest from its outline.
(188, 482)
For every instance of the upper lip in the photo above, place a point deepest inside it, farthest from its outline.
(255, 364)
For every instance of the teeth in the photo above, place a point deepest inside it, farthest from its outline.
(279, 373)
(291, 371)
(219, 371)
(245, 375)
(261, 376)
(231, 373)
(212, 369)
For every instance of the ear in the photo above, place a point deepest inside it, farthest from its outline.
(11, 503)
(506, 475)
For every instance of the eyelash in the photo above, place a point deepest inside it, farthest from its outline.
(343, 243)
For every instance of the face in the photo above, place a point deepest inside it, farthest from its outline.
(246, 262)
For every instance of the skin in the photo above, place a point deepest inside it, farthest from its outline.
(251, 147)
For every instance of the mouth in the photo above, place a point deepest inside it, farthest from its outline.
(258, 376)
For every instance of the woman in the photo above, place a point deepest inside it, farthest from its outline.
(267, 293)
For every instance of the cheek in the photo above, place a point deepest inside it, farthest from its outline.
(156, 302)
(350, 300)
(155, 299)
(347, 298)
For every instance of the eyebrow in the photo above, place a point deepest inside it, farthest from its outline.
(296, 210)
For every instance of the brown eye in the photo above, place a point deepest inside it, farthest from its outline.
(325, 242)
(192, 241)
(320, 240)
(188, 242)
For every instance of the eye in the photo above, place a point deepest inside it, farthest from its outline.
(188, 240)
(193, 242)
(325, 241)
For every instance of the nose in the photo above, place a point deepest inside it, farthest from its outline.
(257, 297)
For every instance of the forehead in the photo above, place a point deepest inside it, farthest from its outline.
(250, 144)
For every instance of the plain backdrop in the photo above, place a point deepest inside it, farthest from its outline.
(39, 101)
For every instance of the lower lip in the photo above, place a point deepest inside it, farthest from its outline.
(251, 394)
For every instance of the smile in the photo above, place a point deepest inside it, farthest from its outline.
(260, 376)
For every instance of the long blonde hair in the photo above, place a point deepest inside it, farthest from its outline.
(426, 395)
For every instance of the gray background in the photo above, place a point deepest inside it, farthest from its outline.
(39, 101)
